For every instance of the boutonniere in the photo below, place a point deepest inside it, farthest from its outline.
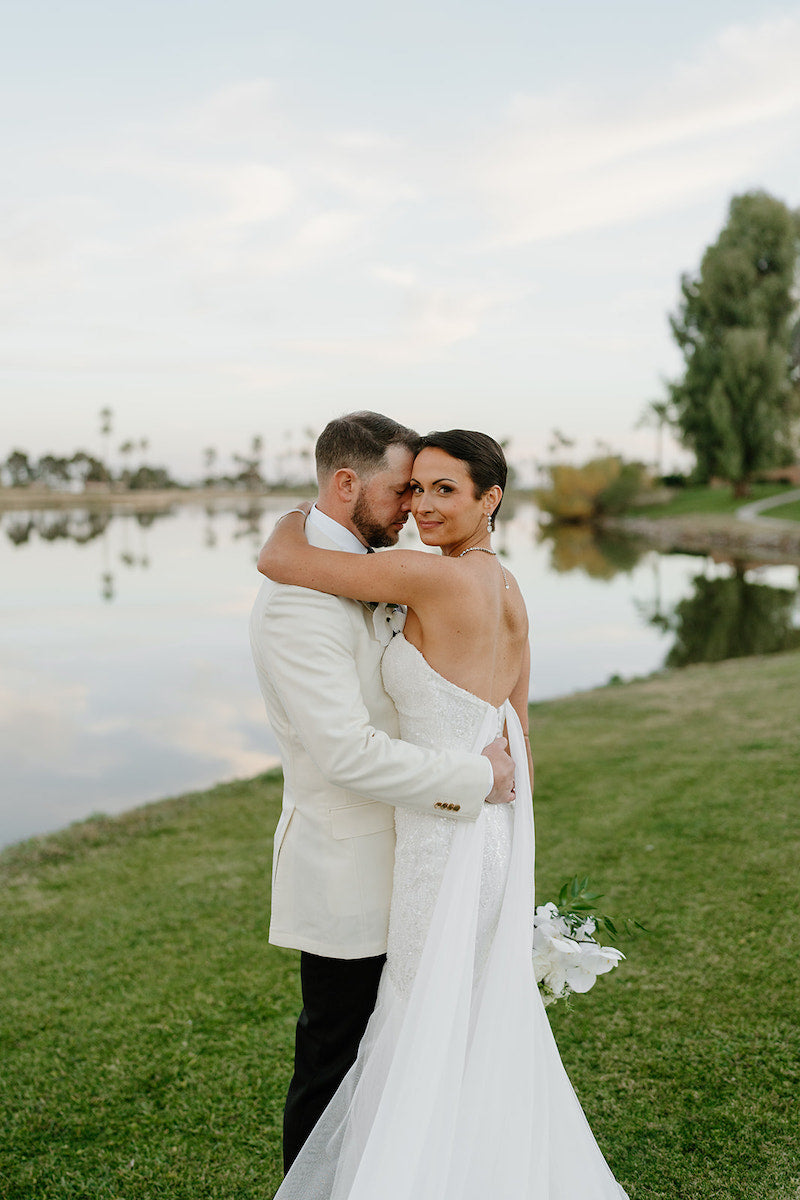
(387, 620)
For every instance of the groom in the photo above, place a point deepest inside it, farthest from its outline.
(318, 663)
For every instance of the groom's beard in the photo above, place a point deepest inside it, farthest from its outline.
(374, 535)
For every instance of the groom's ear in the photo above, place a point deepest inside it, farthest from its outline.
(346, 484)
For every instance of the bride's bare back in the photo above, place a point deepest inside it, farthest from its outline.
(476, 633)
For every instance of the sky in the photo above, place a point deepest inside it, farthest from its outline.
(224, 218)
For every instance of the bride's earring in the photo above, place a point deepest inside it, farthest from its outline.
(488, 522)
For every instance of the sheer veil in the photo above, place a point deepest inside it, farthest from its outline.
(458, 1092)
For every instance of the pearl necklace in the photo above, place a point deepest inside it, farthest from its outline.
(486, 550)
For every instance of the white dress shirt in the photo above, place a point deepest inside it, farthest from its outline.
(345, 538)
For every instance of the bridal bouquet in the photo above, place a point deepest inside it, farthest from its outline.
(566, 956)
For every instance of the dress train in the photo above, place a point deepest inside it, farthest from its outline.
(458, 1091)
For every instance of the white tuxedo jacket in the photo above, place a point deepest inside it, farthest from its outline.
(318, 665)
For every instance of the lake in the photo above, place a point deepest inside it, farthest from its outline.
(126, 672)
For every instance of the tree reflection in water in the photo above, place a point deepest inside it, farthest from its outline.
(80, 526)
(723, 618)
(731, 618)
(250, 518)
(599, 554)
(85, 525)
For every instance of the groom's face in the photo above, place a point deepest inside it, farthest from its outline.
(384, 501)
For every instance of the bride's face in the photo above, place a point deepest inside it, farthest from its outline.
(443, 501)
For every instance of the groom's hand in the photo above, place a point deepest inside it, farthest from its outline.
(503, 771)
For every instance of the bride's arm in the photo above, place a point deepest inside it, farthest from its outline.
(519, 702)
(404, 576)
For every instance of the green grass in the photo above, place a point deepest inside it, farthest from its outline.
(786, 512)
(147, 1026)
(716, 501)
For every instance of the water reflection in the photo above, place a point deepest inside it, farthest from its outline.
(599, 554)
(730, 618)
(125, 670)
(249, 520)
(81, 526)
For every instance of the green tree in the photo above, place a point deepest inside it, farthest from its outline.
(250, 475)
(737, 401)
(126, 451)
(87, 469)
(53, 471)
(19, 468)
(146, 478)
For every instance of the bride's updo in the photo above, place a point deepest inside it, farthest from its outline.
(482, 456)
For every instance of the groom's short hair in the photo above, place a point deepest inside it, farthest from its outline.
(359, 441)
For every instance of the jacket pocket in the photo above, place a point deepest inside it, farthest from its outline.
(356, 820)
(279, 837)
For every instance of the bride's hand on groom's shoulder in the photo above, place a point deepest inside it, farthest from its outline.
(282, 537)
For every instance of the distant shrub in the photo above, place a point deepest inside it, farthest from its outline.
(623, 489)
(602, 486)
(151, 479)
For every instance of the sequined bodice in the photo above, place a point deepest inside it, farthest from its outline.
(433, 711)
(436, 713)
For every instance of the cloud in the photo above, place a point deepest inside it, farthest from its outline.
(239, 114)
(221, 731)
(38, 710)
(267, 246)
(565, 163)
(436, 315)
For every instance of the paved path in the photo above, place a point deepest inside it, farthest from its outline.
(752, 512)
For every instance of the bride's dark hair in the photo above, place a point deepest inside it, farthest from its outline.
(482, 456)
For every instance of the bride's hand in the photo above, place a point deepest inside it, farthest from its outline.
(287, 532)
(303, 507)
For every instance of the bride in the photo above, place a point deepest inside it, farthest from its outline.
(458, 1091)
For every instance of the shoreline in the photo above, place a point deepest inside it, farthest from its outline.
(101, 818)
(767, 541)
(86, 828)
(22, 499)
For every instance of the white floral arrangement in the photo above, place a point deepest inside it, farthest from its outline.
(566, 956)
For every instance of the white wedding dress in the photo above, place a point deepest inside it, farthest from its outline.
(458, 1091)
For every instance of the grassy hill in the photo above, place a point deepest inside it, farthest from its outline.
(147, 1026)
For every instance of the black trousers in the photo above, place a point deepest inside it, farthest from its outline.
(338, 998)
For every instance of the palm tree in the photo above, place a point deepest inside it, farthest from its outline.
(127, 448)
(559, 441)
(256, 452)
(657, 413)
(106, 422)
(210, 456)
